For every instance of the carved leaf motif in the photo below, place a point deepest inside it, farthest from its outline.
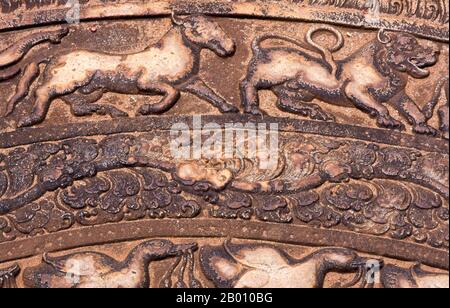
(393, 196)
(38, 217)
(273, 208)
(233, 205)
(85, 193)
(7, 233)
(394, 161)
(124, 188)
(349, 196)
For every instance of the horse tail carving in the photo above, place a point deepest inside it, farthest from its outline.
(10, 65)
(16, 52)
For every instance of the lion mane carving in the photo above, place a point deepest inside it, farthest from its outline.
(375, 74)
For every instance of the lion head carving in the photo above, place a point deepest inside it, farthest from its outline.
(404, 53)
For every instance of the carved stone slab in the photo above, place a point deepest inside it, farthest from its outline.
(224, 143)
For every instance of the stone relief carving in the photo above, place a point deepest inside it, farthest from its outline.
(373, 75)
(443, 111)
(384, 191)
(358, 167)
(164, 69)
(95, 270)
(16, 52)
(8, 277)
(230, 264)
(388, 62)
(258, 266)
(436, 10)
(413, 278)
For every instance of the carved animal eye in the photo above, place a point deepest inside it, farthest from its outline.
(222, 178)
(158, 244)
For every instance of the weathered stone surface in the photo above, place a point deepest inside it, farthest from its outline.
(335, 112)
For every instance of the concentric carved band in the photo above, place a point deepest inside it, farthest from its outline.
(430, 16)
(55, 133)
(289, 234)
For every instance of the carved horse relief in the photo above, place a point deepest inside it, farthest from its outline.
(97, 270)
(167, 68)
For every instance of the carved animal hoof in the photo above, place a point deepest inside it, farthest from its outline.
(320, 115)
(425, 129)
(26, 122)
(9, 110)
(255, 111)
(445, 135)
(389, 122)
(148, 109)
(228, 108)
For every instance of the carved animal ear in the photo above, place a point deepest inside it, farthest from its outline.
(383, 37)
(176, 19)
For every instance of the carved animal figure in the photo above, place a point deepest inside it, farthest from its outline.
(394, 277)
(15, 53)
(12, 55)
(375, 74)
(263, 266)
(97, 270)
(218, 177)
(8, 277)
(167, 68)
(443, 111)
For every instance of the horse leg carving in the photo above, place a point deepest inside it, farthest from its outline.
(31, 72)
(171, 96)
(250, 98)
(44, 97)
(84, 105)
(198, 87)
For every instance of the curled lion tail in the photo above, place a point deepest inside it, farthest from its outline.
(326, 53)
(256, 44)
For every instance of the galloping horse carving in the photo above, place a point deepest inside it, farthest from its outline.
(167, 68)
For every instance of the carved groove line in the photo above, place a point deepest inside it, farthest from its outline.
(56, 133)
(350, 15)
(297, 235)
